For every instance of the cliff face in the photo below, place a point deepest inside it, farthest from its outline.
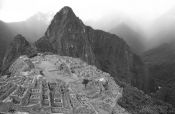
(68, 36)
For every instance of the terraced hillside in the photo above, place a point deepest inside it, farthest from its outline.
(48, 84)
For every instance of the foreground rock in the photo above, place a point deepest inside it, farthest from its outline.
(58, 84)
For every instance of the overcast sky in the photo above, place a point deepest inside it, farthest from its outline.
(141, 11)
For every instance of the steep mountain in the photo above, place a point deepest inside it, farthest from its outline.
(32, 28)
(161, 65)
(5, 37)
(68, 36)
(133, 38)
(19, 46)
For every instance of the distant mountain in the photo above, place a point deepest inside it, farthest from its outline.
(132, 37)
(19, 46)
(162, 54)
(32, 28)
(68, 36)
(161, 65)
(5, 37)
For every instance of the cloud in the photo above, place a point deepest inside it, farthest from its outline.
(19, 10)
(89, 10)
(1, 3)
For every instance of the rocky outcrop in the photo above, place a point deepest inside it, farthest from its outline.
(68, 36)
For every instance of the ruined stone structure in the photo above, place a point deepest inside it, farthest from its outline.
(48, 84)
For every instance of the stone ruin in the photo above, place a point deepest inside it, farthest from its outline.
(48, 84)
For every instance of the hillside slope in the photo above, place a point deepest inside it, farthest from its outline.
(161, 65)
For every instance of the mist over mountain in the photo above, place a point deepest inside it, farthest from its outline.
(161, 30)
(160, 57)
(133, 38)
(139, 36)
(32, 28)
(108, 22)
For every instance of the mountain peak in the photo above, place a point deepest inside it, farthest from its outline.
(19, 36)
(20, 39)
(65, 19)
(66, 10)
